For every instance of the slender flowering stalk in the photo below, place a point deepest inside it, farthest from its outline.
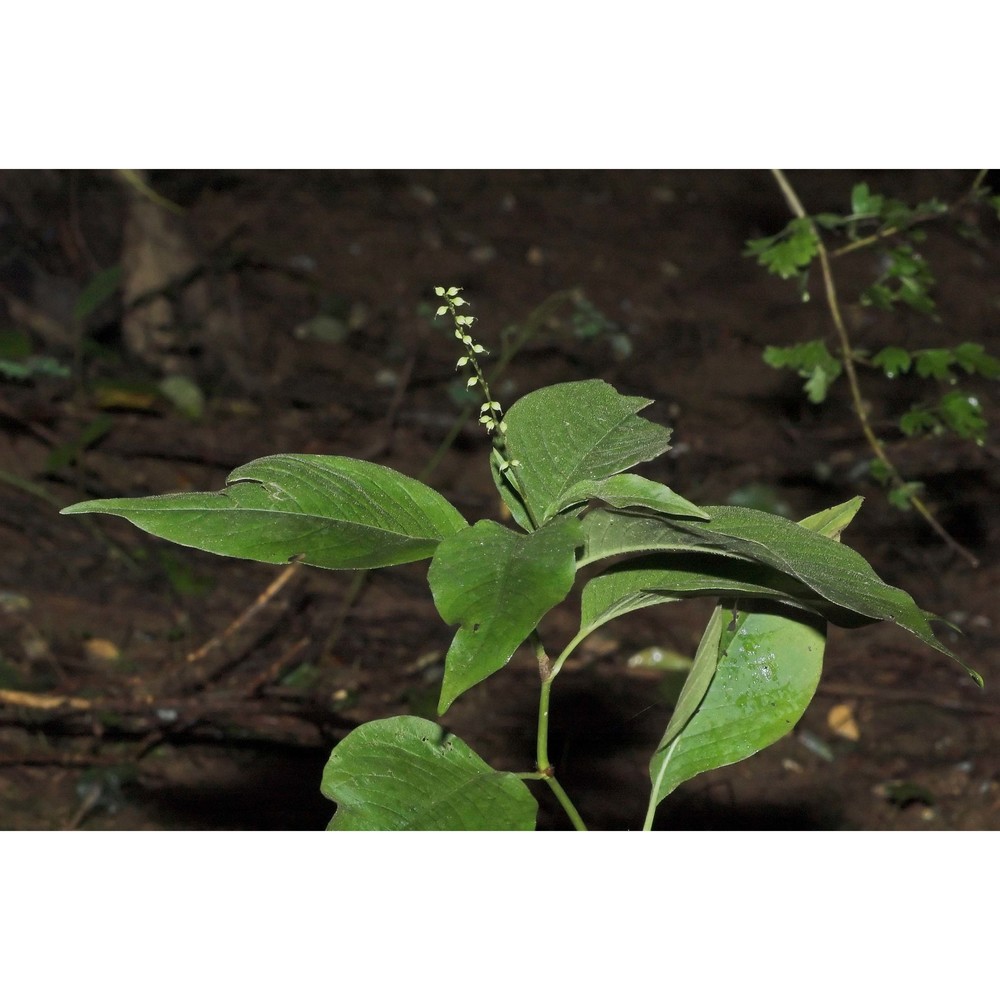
(491, 412)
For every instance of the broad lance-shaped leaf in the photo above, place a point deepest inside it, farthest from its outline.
(497, 584)
(567, 433)
(670, 577)
(333, 512)
(630, 490)
(409, 774)
(747, 689)
(664, 577)
(833, 571)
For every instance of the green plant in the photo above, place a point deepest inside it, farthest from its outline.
(894, 229)
(559, 459)
(18, 363)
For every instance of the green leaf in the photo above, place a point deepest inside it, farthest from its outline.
(407, 773)
(935, 363)
(892, 360)
(754, 683)
(902, 496)
(760, 723)
(974, 359)
(650, 580)
(668, 577)
(101, 287)
(699, 678)
(496, 584)
(907, 279)
(32, 367)
(567, 433)
(931, 206)
(617, 592)
(833, 571)
(812, 361)
(863, 202)
(914, 294)
(963, 414)
(879, 471)
(918, 420)
(878, 296)
(818, 383)
(789, 252)
(333, 512)
(832, 521)
(828, 220)
(185, 394)
(630, 490)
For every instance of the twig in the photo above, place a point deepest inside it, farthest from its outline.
(58, 760)
(43, 702)
(87, 806)
(902, 694)
(847, 360)
(155, 719)
(392, 410)
(883, 234)
(259, 603)
(273, 670)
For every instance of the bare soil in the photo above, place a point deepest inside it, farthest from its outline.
(148, 686)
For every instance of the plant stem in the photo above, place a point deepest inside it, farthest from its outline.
(545, 770)
(847, 360)
(566, 803)
(883, 234)
(542, 746)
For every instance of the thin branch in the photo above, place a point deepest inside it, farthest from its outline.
(847, 360)
(946, 702)
(251, 611)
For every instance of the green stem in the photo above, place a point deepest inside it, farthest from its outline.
(546, 675)
(542, 747)
(546, 772)
(560, 793)
(566, 803)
